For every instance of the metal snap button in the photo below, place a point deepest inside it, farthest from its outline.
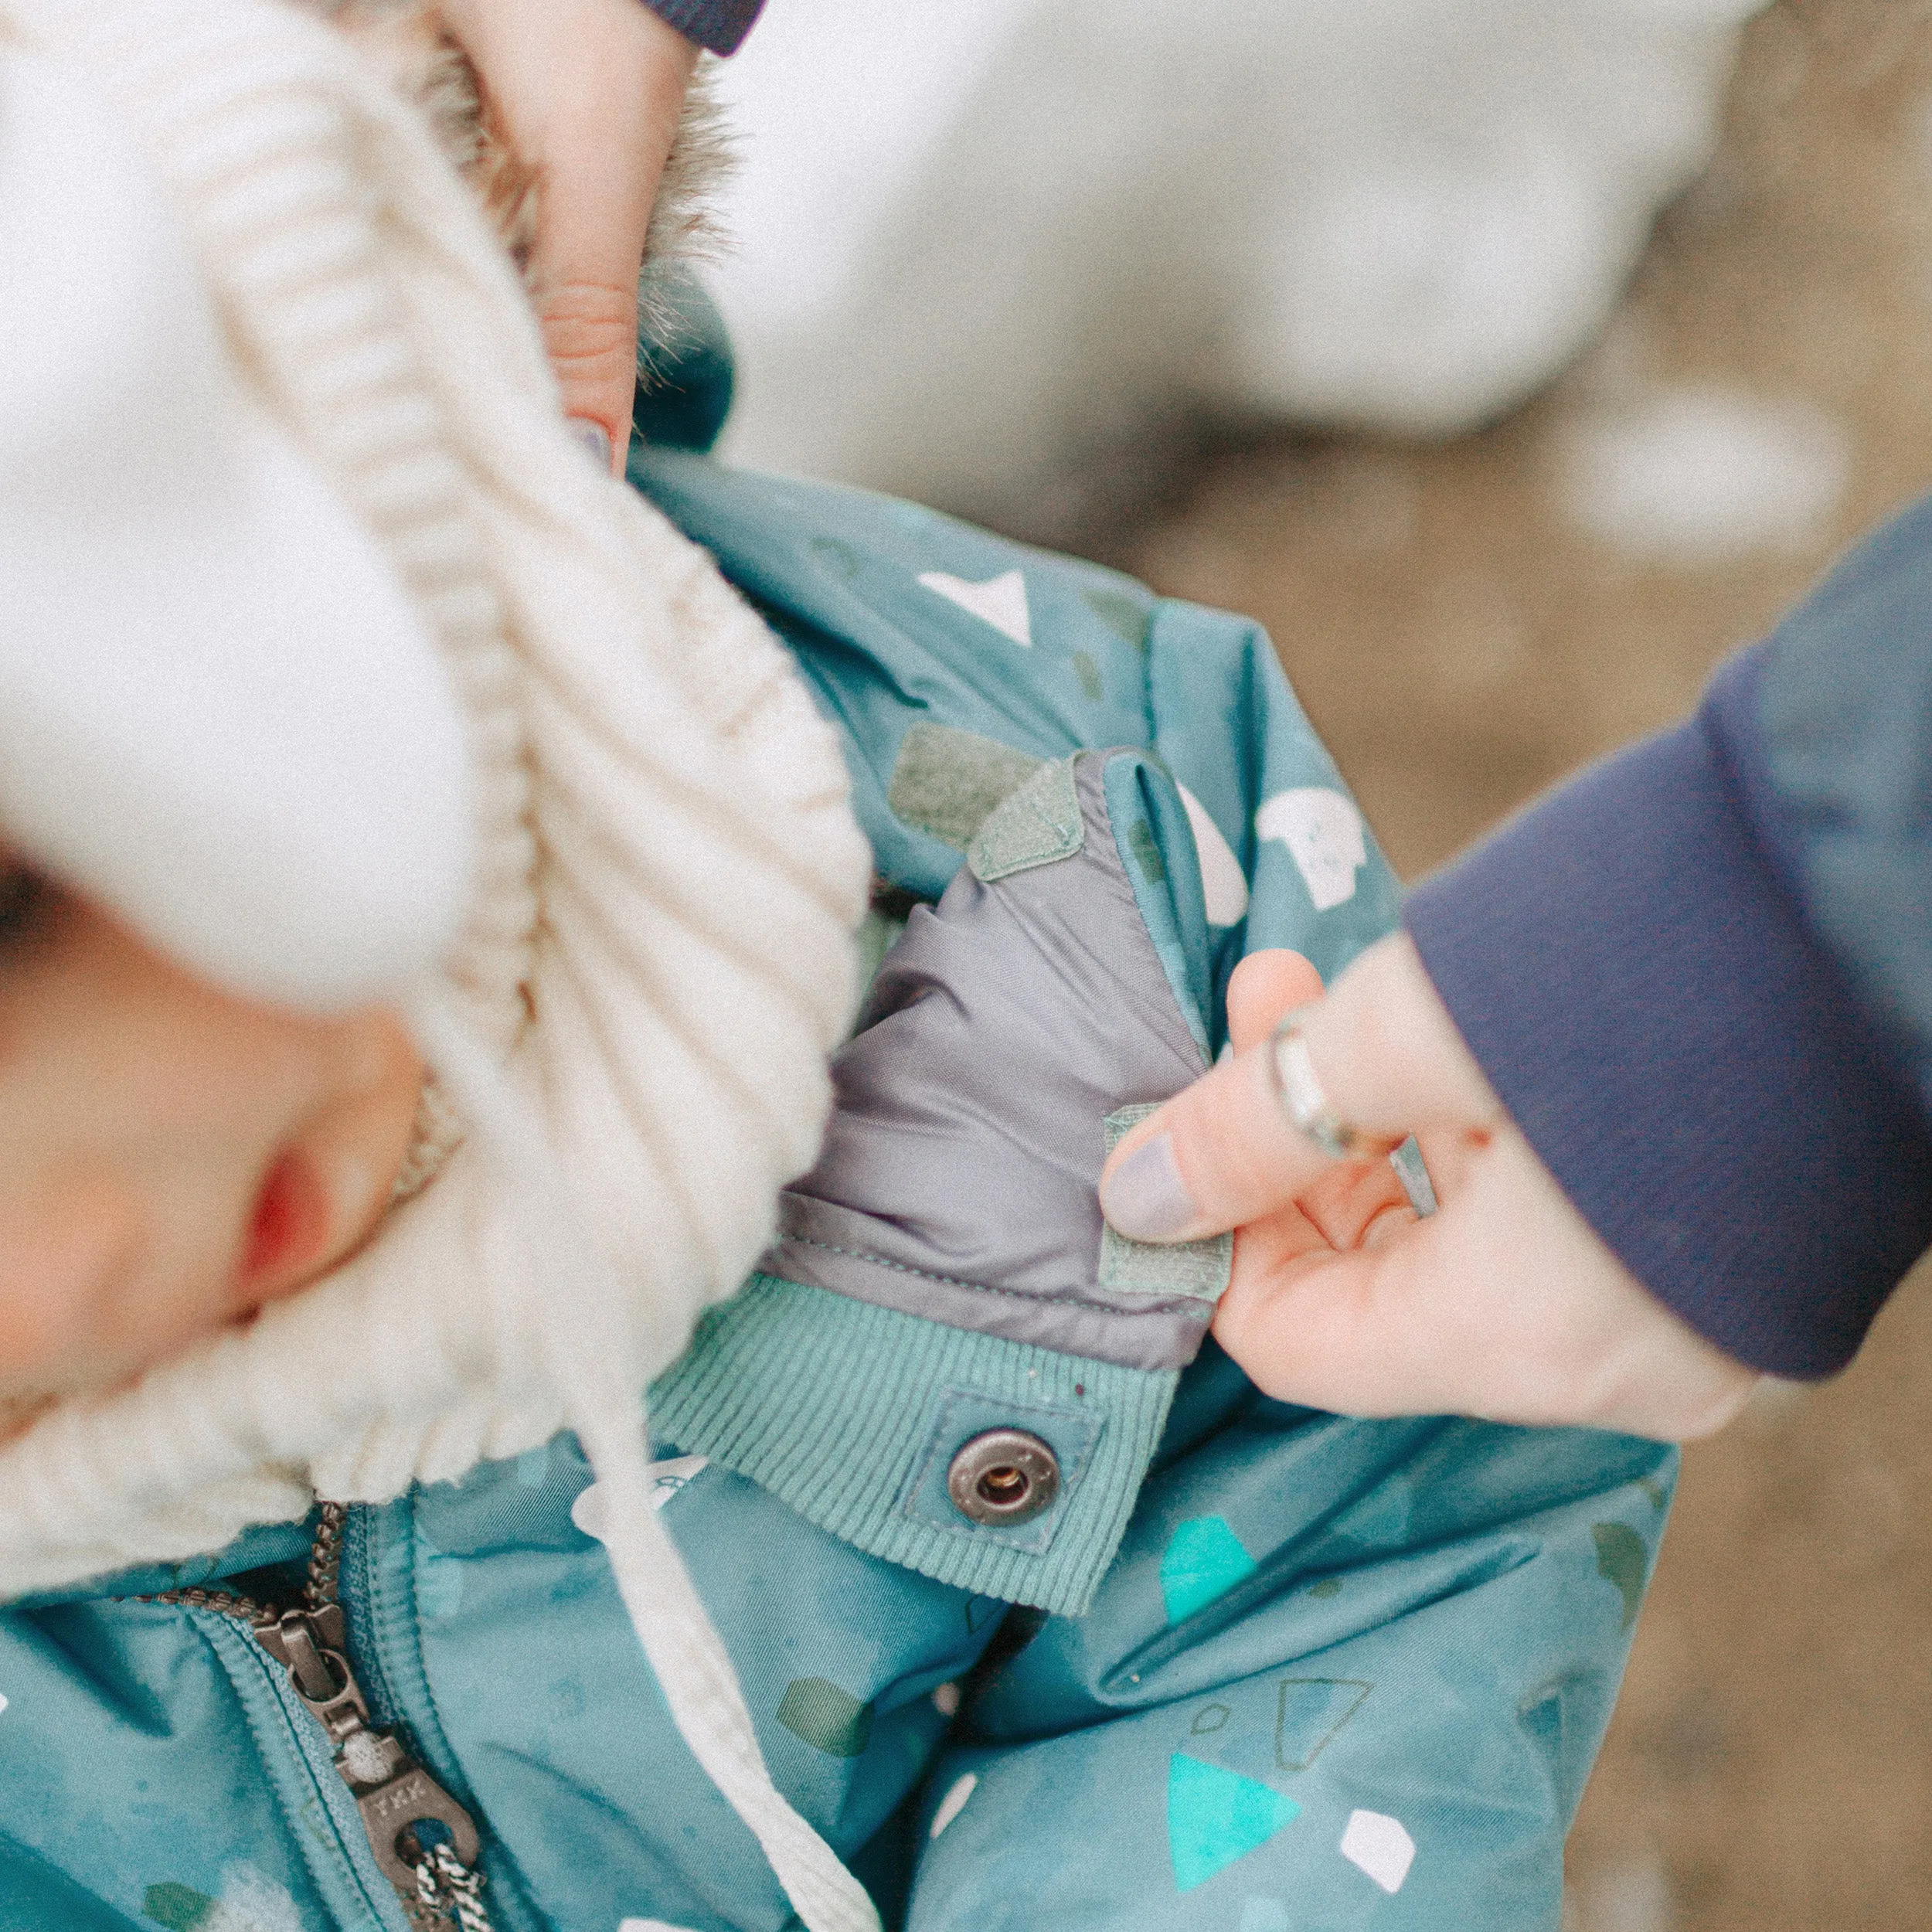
(1003, 1476)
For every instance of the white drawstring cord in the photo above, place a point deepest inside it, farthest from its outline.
(689, 1658)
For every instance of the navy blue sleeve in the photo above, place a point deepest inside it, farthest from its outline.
(720, 24)
(1657, 977)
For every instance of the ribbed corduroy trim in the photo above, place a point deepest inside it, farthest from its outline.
(829, 1404)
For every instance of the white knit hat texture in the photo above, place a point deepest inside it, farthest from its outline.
(156, 524)
(532, 770)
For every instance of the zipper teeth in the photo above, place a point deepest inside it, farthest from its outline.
(321, 1585)
(244, 1610)
(447, 1893)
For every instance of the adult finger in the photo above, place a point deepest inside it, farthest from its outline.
(1220, 1153)
(1141, 1192)
(1438, 1319)
(589, 93)
(1350, 1202)
(1505, 1305)
(1262, 988)
(1224, 1151)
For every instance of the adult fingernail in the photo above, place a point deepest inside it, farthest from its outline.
(596, 439)
(1144, 1197)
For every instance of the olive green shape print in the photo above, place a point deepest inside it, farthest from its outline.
(828, 1719)
(1309, 1712)
(1126, 617)
(1089, 674)
(836, 559)
(1147, 852)
(180, 1907)
(1624, 1560)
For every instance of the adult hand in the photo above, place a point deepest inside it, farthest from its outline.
(588, 92)
(1504, 1303)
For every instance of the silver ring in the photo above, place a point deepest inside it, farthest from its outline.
(1299, 1089)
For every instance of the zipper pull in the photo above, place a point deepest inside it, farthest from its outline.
(393, 1792)
(309, 1645)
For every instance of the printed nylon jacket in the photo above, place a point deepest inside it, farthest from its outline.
(1233, 1666)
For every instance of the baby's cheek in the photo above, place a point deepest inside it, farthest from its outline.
(71, 1259)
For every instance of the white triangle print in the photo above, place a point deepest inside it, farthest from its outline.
(1000, 601)
(1224, 886)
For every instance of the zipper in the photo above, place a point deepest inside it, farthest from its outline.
(438, 1882)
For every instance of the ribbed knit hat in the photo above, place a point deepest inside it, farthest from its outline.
(596, 845)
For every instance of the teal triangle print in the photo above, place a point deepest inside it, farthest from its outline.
(1203, 1559)
(1215, 1817)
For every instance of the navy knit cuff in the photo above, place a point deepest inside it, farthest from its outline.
(1629, 967)
(720, 24)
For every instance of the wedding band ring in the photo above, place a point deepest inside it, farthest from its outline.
(1299, 1089)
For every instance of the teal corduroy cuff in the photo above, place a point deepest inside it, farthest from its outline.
(849, 1413)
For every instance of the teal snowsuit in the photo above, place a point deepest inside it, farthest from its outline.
(1252, 1669)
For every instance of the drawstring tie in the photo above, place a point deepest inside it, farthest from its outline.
(688, 1658)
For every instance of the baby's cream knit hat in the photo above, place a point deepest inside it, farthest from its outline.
(631, 986)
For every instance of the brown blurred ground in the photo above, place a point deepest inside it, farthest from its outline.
(1460, 645)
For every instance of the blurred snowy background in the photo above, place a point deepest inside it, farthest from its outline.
(1511, 360)
(997, 254)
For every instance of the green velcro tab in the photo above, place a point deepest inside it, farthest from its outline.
(1039, 823)
(1199, 1268)
(949, 783)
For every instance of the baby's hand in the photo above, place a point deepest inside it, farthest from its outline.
(1504, 1303)
(589, 93)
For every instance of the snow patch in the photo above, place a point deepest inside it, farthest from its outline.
(979, 243)
(1704, 475)
(1632, 1896)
